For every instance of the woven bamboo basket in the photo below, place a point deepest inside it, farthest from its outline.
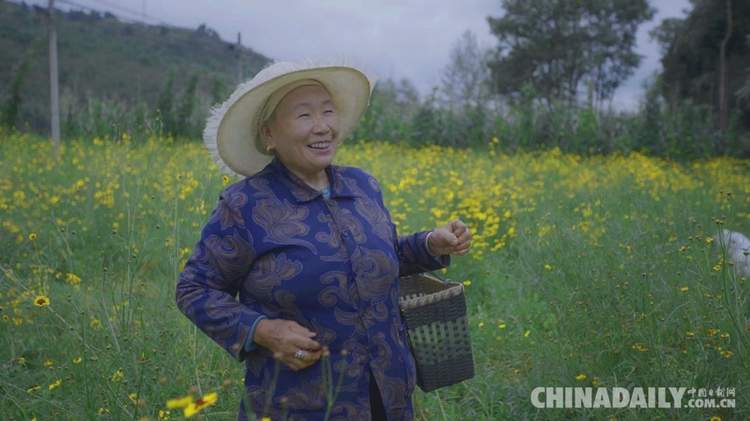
(438, 330)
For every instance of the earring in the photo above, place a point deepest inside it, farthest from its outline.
(269, 149)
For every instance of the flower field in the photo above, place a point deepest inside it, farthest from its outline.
(584, 272)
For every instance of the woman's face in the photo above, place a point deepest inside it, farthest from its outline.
(305, 131)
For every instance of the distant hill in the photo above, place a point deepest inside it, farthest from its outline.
(106, 65)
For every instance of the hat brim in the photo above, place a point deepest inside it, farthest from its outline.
(231, 134)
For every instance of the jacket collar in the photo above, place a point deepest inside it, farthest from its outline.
(341, 185)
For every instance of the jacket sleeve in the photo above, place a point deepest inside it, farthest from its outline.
(413, 256)
(213, 275)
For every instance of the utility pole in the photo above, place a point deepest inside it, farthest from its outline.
(240, 73)
(53, 88)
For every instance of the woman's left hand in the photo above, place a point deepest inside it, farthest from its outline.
(452, 238)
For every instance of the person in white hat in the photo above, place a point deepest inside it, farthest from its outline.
(297, 270)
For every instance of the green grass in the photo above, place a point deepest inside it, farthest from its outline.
(584, 272)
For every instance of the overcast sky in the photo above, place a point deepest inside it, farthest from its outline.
(397, 38)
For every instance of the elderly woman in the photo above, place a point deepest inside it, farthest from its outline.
(310, 249)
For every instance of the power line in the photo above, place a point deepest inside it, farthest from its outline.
(143, 15)
(140, 15)
(128, 19)
(179, 47)
(144, 35)
(12, 2)
(243, 53)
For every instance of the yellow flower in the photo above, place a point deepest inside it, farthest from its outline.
(72, 279)
(95, 323)
(55, 384)
(224, 179)
(117, 376)
(48, 362)
(480, 324)
(683, 289)
(717, 267)
(709, 240)
(32, 236)
(467, 282)
(41, 301)
(581, 377)
(33, 389)
(179, 402)
(76, 360)
(526, 335)
(548, 267)
(501, 326)
(194, 407)
(715, 418)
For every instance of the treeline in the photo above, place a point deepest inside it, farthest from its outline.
(548, 83)
(551, 80)
(684, 131)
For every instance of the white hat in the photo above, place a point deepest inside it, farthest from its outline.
(231, 134)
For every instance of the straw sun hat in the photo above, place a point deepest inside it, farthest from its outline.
(231, 134)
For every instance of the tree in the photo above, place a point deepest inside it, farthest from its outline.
(165, 105)
(667, 33)
(559, 45)
(12, 106)
(184, 125)
(744, 92)
(391, 107)
(706, 58)
(466, 78)
(724, 73)
(425, 125)
(204, 30)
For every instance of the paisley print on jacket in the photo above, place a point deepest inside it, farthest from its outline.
(228, 210)
(275, 248)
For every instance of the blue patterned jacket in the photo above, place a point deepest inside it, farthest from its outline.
(332, 266)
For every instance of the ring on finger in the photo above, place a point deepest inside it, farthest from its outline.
(299, 354)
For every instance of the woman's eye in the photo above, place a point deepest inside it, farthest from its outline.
(329, 111)
(304, 115)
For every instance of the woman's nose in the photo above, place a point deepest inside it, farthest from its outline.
(320, 125)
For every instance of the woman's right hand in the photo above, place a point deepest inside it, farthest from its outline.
(284, 338)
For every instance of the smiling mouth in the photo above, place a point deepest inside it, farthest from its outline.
(319, 145)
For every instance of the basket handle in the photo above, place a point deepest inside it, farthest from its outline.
(440, 278)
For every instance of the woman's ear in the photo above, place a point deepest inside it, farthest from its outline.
(266, 134)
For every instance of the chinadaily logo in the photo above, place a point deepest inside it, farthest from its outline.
(637, 397)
